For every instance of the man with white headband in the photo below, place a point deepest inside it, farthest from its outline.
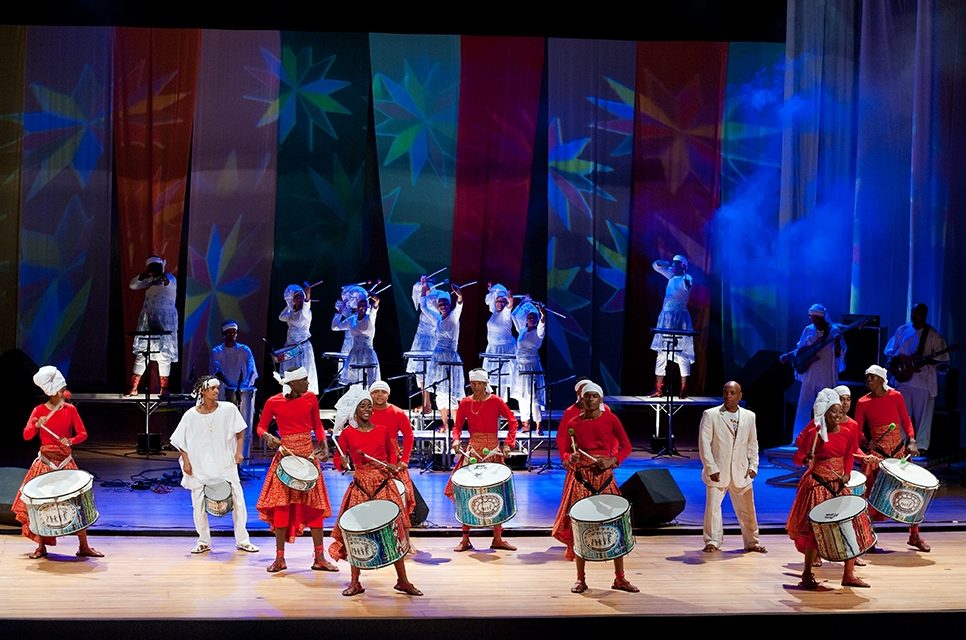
(823, 366)
(482, 412)
(396, 422)
(573, 411)
(591, 447)
(877, 414)
(158, 314)
(674, 315)
(234, 365)
(915, 351)
(289, 511)
(210, 438)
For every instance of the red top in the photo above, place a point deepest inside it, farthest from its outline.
(292, 416)
(844, 443)
(573, 411)
(395, 420)
(66, 422)
(484, 417)
(883, 411)
(601, 436)
(379, 443)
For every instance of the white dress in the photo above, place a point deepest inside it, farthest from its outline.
(528, 359)
(674, 313)
(425, 338)
(299, 325)
(499, 339)
(363, 332)
(158, 313)
(449, 389)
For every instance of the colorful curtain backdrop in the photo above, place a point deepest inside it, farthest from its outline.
(322, 114)
(680, 87)
(12, 54)
(415, 94)
(590, 142)
(745, 228)
(66, 199)
(155, 72)
(231, 221)
(499, 98)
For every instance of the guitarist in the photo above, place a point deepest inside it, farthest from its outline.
(826, 362)
(917, 342)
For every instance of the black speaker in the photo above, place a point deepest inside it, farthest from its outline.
(865, 347)
(10, 480)
(421, 511)
(654, 496)
(149, 443)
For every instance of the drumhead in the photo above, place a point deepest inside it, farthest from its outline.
(484, 474)
(599, 508)
(910, 472)
(367, 516)
(837, 509)
(400, 486)
(61, 484)
(856, 479)
(218, 491)
(300, 468)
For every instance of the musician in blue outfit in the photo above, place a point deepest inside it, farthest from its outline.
(821, 351)
(674, 315)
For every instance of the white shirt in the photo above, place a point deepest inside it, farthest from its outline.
(209, 441)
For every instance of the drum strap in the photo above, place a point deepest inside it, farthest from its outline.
(828, 485)
(586, 483)
(372, 495)
(887, 454)
(50, 463)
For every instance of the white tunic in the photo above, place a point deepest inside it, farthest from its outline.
(906, 342)
(299, 326)
(209, 441)
(158, 313)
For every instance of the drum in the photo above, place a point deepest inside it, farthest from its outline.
(60, 503)
(483, 494)
(372, 534)
(602, 527)
(218, 500)
(401, 488)
(903, 490)
(843, 528)
(288, 352)
(297, 473)
(856, 483)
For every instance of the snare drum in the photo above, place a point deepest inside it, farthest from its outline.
(218, 500)
(372, 534)
(60, 503)
(602, 527)
(287, 353)
(903, 490)
(401, 488)
(297, 472)
(843, 528)
(483, 494)
(856, 483)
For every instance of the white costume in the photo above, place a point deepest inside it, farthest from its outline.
(499, 339)
(363, 331)
(528, 359)
(158, 313)
(237, 363)
(299, 325)
(921, 389)
(425, 338)
(449, 390)
(209, 441)
(728, 446)
(822, 374)
(674, 315)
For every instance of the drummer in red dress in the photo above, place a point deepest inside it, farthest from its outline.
(599, 434)
(482, 410)
(60, 428)
(395, 421)
(289, 511)
(877, 414)
(829, 450)
(373, 451)
(573, 411)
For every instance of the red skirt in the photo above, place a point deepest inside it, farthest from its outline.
(410, 491)
(479, 442)
(574, 491)
(812, 492)
(285, 508)
(56, 454)
(370, 478)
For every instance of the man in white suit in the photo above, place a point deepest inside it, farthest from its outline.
(728, 445)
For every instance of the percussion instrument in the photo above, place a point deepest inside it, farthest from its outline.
(498, 356)
(418, 355)
(288, 352)
(218, 500)
(297, 472)
(602, 527)
(903, 490)
(843, 528)
(60, 503)
(373, 535)
(483, 494)
(335, 355)
(856, 483)
(401, 488)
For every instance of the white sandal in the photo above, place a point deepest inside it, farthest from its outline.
(248, 546)
(201, 547)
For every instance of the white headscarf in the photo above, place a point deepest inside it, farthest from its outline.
(581, 384)
(818, 310)
(825, 399)
(379, 385)
(842, 390)
(50, 380)
(681, 259)
(345, 408)
(291, 375)
(496, 291)
(592, 387)
(290, 292)
(156, 260)
(876, 370)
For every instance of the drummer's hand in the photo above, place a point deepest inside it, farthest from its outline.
(505, 448)
(605, 463)
(239, 458)
(911, 445)
(715, 477)
(41, 422)
(567, 463)
(321, 454)
(271, 441)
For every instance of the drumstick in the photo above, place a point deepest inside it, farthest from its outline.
(387, 466)
(348, 462)
(437, 272)
(309, 286)
(468, 284)
(374, 293)
(47, 417)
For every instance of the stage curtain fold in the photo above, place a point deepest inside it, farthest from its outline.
(12, 57)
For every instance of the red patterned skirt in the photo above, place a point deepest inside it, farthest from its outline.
(410, 491)
(825, 481)
(285, 508)
(479, 442)
(368, 483)
(574, 491)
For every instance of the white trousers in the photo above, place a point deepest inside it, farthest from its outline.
(660, 367)
(239, 515)
(164, 364)
(743, 500)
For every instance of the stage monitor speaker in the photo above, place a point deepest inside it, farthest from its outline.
(654, 496)
(10, 480)
(865, 347)
(421, 512)
(149, 443)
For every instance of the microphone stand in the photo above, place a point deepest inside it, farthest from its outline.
(549, 465)
(670, 337)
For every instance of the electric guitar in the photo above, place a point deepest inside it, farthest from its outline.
(902, 367)
(806, 356)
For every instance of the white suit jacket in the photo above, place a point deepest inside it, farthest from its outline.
(731, 456)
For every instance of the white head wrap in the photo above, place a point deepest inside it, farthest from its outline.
(581, 384)
(444, 295)
(479, 375)
(842, 390)
(345, 408)
(353, 294)
(156, 260)
(825, 399)
(876, 370)
(527, 308)
(818, 310)
(291, 375)
(681, 259)
(592, 387)
(229, 324)
(50, 380)
(379, 385)
(496, 291)
(290, 292)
